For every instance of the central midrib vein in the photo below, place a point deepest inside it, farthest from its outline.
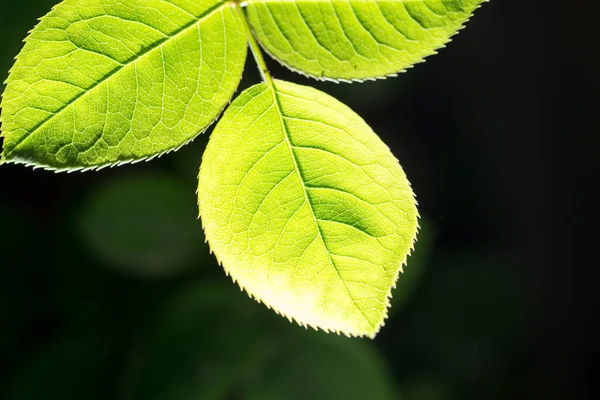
(150, 49)
(264, 71)
(298, 171)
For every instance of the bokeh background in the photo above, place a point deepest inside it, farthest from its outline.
(107, 290)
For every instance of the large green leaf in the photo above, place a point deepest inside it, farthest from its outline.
(101, 82)
(306, 208)
(355, 39)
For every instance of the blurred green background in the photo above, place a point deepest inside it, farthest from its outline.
(108, 291)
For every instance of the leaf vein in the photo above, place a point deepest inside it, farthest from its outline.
(159, 44)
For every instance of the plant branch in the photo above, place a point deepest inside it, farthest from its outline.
(254, 47)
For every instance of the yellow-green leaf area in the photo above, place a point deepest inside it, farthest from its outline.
(355, 39)
(103, 82)
(306, 208)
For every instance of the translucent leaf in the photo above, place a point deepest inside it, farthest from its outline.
(102, 82)
(355, 39)
(306, 208)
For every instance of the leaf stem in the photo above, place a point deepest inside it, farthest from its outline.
(254, 47)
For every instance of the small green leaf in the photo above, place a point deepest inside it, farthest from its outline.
(306, 208)
(355, 39)
(103, 82)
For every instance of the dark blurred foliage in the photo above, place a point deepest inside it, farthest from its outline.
(108, 290)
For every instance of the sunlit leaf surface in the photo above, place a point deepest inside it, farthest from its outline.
(355, 39)
(306, 207)
(102, 82)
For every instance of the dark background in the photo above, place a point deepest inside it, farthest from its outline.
(107, 290)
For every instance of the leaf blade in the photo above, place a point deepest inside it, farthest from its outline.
(106, 82)
(314, 215)
(351, 40)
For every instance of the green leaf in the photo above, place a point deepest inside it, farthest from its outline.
(355, 39)
(103, 82)
(306, 208)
